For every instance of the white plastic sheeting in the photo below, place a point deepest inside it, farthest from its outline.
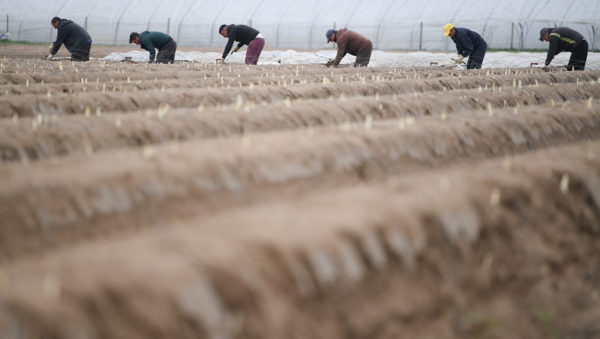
(390, 24)
(378, 58)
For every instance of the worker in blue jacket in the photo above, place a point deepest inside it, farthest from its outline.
(468, 44)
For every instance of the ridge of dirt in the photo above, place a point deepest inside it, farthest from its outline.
(31, 105)
(293, 277)
(34, 138)
(297, 201)
(80, 190)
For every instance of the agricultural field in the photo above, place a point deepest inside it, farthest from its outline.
(196, 200)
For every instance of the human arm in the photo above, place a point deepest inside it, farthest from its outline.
(50, 55)
(553, 50)
(341, 52)
(228, 47)
(152, 52)
(459, 50)
(149, 46)
(338, 58)
(61, 35)
(464, 46)
(237, 48)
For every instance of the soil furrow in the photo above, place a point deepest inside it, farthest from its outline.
(120, 82)
(419, 254)
(30, 105)
(40, 137)
(44, 203)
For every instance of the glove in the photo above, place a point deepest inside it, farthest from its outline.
(237, 48)
(51, 47)
(330, 62)
(49, 57)
(459, 59)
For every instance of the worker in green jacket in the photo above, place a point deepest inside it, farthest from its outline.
(152, 40)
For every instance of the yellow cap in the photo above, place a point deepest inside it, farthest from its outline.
(447, 29)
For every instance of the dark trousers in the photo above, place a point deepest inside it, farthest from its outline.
(363, 56)
(476, 57)
(82, 53)
(166, 54)
(578, 57)
(255, 47)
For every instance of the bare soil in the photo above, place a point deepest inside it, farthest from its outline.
(204, 201)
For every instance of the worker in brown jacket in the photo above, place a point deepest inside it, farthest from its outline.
(350, 42)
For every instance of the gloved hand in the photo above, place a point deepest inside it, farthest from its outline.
(49, 57)
(51, 47)
(330, 62)
(459, 59)
(236, 49)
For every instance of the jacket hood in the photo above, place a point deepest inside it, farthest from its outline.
(64, 22)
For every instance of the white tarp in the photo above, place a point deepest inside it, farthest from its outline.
(378, 58)
(390, 24)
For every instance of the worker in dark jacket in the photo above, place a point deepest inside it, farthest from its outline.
(468, 44)
(156, 40)
(566, 39)
(350, 42)
(76, 39)
(244, 35)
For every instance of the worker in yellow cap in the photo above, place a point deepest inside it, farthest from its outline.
(468, 44)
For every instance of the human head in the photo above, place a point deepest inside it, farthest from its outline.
(545, 33)
(223, 30)
(55, 22)
(449, 30)
(134, 37)
(331, 35)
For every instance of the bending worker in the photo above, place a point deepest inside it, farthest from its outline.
(245, 35)
(76, 39)
(151, 40)
(468, 44)
(566, 39)
(350, 42)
